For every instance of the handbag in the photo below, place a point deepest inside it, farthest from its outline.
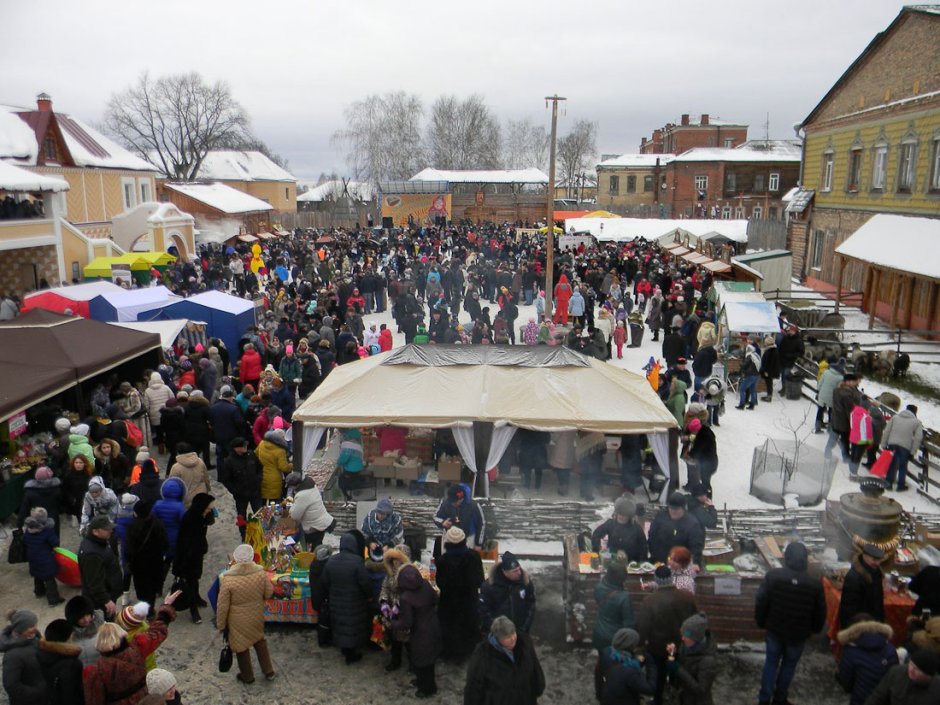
(225, 657)
(17, 551)
(881, 466)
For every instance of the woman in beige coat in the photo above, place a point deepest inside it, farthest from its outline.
(243, 589)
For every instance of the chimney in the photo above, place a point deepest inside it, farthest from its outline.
(642, 141)
(704, 120)
(44, 103)
(685, 119)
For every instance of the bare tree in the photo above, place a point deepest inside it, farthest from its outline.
(525, 145)
(463, 134)
(174, 121)
(383, 136)
(575, 150)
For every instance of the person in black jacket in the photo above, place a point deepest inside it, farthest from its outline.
(701, 507)
(319, 597)
(626, 672)
(790, 605)
(44, 491)
(459, 576)
(673, 347)
(102, 578)
(348, 587)
(23, 680)
(191, 548)
(60, 663)
(173, 425)
(622, 532)
(197, 424)
(227, 424)
(704, 451)
(863, 588)
(504, 669)
(769, 366)
(510, 592)
(144, 548)
(242, 474)
(674, 527)
(791, 349)
(147, 488)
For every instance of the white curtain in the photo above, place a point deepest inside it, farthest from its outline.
(502, 437)
(659, 442)
(311, 439)
(463, 435)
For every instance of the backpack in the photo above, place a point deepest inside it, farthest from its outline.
(135, 437)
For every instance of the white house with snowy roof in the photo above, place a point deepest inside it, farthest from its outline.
(252, 173)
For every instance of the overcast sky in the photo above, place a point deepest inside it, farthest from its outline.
(629, 65)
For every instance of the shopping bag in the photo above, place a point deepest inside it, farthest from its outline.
(881, 466)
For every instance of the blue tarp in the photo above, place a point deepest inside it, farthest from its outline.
(226, 316)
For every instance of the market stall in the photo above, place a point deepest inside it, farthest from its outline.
(227, 317)
(73, 298)
(126, 304)
(188, 333)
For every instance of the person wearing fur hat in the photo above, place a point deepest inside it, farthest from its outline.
(61, 666)
(40, 539)
(867, 654)
(144, 549)
(914, 683)
(157, 394)
(192, 471)
(98, 501)
(393, 560)
(44, 490)
(85, 621)
(382, 526)
(694, 665)
(459, 576)
(118, 677)
(112, 466)
(508, 591)
(191, 549)
(622, 532)
(659, 621)
(23, 680)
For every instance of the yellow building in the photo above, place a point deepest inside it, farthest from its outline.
(103, 182)
(632, 184)
(252, 173)
(872, 145)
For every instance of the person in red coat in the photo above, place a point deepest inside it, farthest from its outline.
(562, 295)
(187, 375)
(249, 369)
(385, 338)
(119, 676)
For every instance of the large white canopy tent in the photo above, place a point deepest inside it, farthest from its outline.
(452, 386)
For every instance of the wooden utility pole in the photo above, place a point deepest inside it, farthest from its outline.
(550, 225)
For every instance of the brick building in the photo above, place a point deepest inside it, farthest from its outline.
(745, 182)
(871, 146)
(632, 184)
(707, 132)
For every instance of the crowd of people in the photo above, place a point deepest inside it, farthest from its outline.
(141, 523)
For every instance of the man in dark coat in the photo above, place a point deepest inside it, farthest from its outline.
(701, 507)
(845, 397)
(510, 592)
(242, 474)
(790, 605)
(227, 424)
(622, 532)
(673, 347)
(458, 509)
(791, 349)
(659, 621)
(504, 669)
(675, 527)
(22, 675)
(191, 548)
(144, 548)
(348, 588)
(867, 654)
(459, 576)
(198, 420)
(913, 684)
(60, 664)
(863, 589)
(102, 579)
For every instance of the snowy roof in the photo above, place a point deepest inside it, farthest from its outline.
(221, 197)
(909, 239)
(79, 292)
(751, 151)
(13, 178)
(222, 302)
(497, 176)
(797, 199)
(334, 189)
(929, 9)
(167, 211)
(87, 146)
(637, 160)
(225, 165)
(626, 229)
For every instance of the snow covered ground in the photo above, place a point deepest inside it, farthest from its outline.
(742, 431)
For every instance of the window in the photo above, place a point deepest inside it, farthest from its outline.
(129, 193)
(286, 193)
(758, 183)
(49, 150)
(739, 213)
(772, 213)
(816, 254)
(757, 213)
(879, 166)
(76, 271)
(145, 196)
(935, 166)
(614, 185)
(701, 183)
(726, 213)
(647, 184)
(828, 164)
(631, 184)
(906, 167)
(775, 182)
(729, 142)
(731, 181)
(855, 170)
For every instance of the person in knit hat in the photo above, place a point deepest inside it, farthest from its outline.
(694, 665)
(40, 540)
(143, 455)
(382, 527)
(22, 676)
(133, 620)
(622, 532)
(162, 684)
(914, 683)
(624, 671)
(44, 491)
(459, 576)
(510, 592)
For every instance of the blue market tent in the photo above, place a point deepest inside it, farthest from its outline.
(126, 304)
(226, 316)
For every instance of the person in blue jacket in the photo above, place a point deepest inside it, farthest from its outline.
(458, 509)
(866, 657)
(40, 540)
(170, 510)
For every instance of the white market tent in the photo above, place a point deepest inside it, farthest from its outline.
(168, 331)
(127, 304)
(540, 388)
(652, 229)
(750, 317)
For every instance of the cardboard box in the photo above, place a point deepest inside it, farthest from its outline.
(407, 472)
(449, 470)
(383, 468)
